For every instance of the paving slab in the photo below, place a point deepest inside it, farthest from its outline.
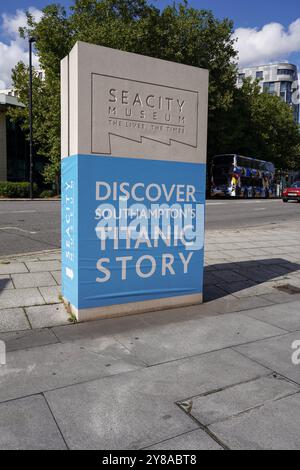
(39, 266)
(12, 268)
(182, 314)
(50, 256)
(281, 263)
(259, 274)
(233, 304)
(236, 287)
(27, 424)
(215, 264)
(240, 398)
(282, 297)
(294, 281)
(13, 319)
(276, 354)
(277, 250)
(219, 255)
(6, 282)
(99, 328)
(57, 365)
(274, 426)
(194, 440)
(267, 288)
(229, 276)
(47, 315)
(282, 269)
(33, 280)
(51, 294)
(285, 316)
(230, 255)
(137, 409)
(210, 278)
(159, 341)
(20, 298)
(28, 339)
(212, 293)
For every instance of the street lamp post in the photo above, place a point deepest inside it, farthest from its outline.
(31, 41)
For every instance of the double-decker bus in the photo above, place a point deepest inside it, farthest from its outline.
(242, 177)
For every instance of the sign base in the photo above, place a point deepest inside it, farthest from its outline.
(122, 310)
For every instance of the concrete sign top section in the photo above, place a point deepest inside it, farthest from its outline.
(126, 105)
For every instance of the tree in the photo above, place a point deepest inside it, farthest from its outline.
(263, 126)
(177, 33)
(275, 132)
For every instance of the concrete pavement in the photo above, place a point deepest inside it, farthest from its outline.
(215, 376)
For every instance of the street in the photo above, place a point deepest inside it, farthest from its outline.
(234, 214)
(28, 226)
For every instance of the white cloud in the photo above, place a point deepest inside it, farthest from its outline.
(12, 23)
(272, 43)
(13, 49)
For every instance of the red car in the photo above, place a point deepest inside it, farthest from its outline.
(292, 193)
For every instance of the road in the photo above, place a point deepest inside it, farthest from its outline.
(253, 213)
(28, 226)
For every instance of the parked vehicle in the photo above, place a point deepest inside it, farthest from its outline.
(292, 193)
(242, 177)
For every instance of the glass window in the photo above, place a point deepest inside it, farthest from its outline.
(241, 77)
(286, 91)
(219, 178)
(244, 162)
(223, 160)
(246, 181)
(260, 75)
(289, 97)
(269, 87)
(286, 86)
(285, 72)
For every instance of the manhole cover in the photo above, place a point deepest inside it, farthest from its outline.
(289, 289)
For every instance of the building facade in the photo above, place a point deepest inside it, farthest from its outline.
(279, 79)
(8, 92)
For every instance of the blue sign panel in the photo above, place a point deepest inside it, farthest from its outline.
(132, 229)
(69, 229)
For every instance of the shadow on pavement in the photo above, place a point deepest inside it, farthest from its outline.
(223, 279)
(4, 281)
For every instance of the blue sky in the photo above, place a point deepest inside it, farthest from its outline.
(268, 30)
(246, 14)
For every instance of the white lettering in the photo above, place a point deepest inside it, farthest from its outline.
(138, 266)
(103, 270)
(185, 262)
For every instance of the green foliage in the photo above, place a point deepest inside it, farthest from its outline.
(275, 132)
(263, 126)
(243, 121)
(15, 190)
(177, 33)
(47, 193)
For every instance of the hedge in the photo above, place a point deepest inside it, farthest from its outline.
(15, 190)
(47, 193)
